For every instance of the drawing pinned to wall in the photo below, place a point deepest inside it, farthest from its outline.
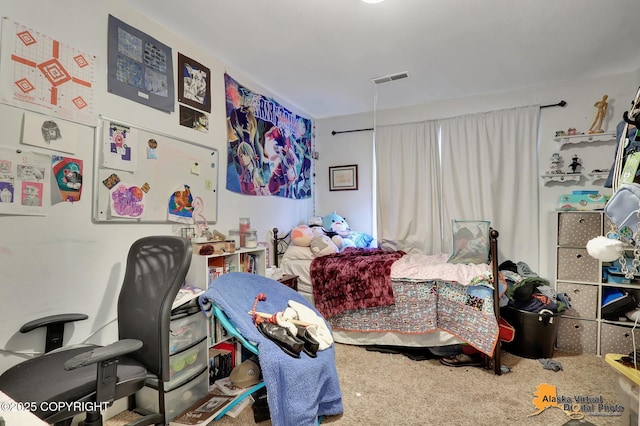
(67, 173)
(119, 147)
(194, 119)
(180, 207)
(24, 182)
(140, 68)
(48, 132)
(194, 87)
(46, 75)
(127, 201)
(152, 145)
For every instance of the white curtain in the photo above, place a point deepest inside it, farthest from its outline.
(474, 167)
(490, 172)
(408, 194)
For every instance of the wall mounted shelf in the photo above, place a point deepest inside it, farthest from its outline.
(564, 177)
(593, 137)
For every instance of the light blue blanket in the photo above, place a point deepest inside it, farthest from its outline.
(300, 390)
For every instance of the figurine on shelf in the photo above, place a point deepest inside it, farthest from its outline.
(576, 164)
(556, 164)
(601, 105)
(571, 131)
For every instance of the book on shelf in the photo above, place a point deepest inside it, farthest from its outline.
(249, 263)
(220, 363)
(204, 411)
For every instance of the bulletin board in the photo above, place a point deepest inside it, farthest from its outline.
(143, 176)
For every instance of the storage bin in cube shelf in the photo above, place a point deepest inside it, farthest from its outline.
(577, 335)
(576, 229)
(535, 333)
(575, 264)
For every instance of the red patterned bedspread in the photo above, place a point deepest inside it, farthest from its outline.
(353, 279)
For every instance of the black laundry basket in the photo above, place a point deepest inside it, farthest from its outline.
(535, 333)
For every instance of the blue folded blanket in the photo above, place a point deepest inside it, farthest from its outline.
(300, 390)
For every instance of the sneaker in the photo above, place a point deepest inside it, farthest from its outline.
(462, 360)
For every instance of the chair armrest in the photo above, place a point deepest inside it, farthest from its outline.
(52, 320)
(55, 328)
(103, 353)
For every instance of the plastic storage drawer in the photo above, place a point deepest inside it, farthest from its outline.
(186, 331)
(576, 229)
(577, 336)
(186, 363)
(575, 264)
(617, 339)
(177, 400)
(584, 300)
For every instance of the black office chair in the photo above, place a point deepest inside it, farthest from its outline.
(156, 268)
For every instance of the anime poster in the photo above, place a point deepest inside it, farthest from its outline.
(268, 147)
(44, 74)
(24, 182)
(119, 147)
(67, 173)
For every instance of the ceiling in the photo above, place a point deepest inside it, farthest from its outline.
(320, 55)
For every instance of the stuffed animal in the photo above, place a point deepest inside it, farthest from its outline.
(322, 245)
(301, 236)
(333, 223)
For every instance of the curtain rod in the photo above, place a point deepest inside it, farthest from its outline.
(349, 131)
(334, 132)
(560, 104)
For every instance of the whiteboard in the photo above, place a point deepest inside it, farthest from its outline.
(143, 176)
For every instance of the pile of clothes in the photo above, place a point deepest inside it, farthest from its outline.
(529, 292)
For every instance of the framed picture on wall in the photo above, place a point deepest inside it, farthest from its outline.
(194, 83)
(343, 178)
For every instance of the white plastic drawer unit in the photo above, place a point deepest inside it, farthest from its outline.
(177, 400)
(575, 229)
(575, 264)
(185, 364)
(186, 331)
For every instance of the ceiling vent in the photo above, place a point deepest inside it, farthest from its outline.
(392, 77)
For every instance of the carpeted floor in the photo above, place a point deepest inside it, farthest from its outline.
(392, 389)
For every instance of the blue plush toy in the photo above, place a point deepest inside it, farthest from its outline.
(336, 227)
(333, 223)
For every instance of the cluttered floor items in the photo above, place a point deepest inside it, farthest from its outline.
(294, 330)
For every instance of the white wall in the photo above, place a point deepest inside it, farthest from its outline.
(65, 263)
(349, 148)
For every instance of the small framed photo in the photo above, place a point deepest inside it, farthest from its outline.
(343, 178)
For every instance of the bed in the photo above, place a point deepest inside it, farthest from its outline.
(373, 297)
